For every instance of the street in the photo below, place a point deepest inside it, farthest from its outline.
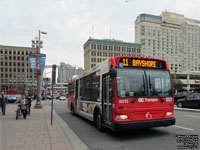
(173, 137)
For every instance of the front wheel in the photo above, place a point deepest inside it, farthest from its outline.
(17, 114)
(99, 123)
(180, 105)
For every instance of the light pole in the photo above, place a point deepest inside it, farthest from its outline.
(38, 44)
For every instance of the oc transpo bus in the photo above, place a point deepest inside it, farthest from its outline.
(124, 92)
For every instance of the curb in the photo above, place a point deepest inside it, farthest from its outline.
(76, 142)
(187, 109)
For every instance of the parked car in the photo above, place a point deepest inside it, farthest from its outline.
(181, 95)
(191, 101)
(49, 97)
(57, 96)
(62, 98)
(11, 98)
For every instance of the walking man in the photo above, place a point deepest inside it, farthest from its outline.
(3, 103)
(29, 104)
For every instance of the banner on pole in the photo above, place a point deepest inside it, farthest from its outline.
(33, 64)
(37, 65)
(42, 64)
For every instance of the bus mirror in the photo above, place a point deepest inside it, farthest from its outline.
(113, 72)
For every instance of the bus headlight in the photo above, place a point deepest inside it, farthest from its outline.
(120, 117)
(169, 114)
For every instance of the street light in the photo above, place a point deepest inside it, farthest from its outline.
(38, 44)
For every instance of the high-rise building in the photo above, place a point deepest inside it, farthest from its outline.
(98, 50)
(172, 37)
(66, 71)
(15, 71)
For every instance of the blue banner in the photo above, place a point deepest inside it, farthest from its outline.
(42, 64)
(33, 64)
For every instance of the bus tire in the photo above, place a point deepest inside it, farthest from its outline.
(99, 122)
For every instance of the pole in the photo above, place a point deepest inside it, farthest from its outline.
(53, 82)
(26, 93)
(52, 104)
(38, 103)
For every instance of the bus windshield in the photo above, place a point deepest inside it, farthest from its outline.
(143, 83)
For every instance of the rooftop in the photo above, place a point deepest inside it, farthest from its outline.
(111, 41)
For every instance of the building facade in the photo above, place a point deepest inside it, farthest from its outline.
(172, 37)
(66, 71)
(98, 50)
(15, 71)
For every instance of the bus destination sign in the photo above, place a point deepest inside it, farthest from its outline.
(143, 63)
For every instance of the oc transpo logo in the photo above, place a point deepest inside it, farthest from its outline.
(148, 115)
(141, 100)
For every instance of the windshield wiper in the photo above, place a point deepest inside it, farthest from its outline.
(144, 85)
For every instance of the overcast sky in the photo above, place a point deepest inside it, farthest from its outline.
(69, 23)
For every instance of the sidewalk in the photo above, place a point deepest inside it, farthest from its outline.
(34, 133)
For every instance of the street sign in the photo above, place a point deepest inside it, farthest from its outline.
(37, 55)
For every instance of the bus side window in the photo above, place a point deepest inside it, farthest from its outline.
(76, 96)
(111, 90)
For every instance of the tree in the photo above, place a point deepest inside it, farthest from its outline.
(178, 84)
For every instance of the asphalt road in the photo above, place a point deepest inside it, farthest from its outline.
(162, 138)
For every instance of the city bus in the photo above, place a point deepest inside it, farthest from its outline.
(123, 93)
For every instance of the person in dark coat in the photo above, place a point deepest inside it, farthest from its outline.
(29, 104)
(3, 103)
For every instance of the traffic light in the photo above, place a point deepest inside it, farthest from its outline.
(53, 74)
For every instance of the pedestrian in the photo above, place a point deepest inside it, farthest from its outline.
(29, 104)
(3, 103)
(0, 102)
(23, 105)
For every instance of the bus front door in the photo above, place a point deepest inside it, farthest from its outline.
(107, 98)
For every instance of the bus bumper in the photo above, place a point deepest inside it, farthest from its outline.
(143, 124)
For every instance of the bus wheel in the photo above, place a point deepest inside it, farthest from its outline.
(180, 105)
(99, 123)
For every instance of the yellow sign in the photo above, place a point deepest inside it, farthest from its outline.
(140, 63)
(144, 63)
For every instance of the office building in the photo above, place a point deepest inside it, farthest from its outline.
(15, 71)
(98, 50)
(172, 37)
(66, 71)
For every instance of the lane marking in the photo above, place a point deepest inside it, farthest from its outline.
(183, 128)
(192, 116)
